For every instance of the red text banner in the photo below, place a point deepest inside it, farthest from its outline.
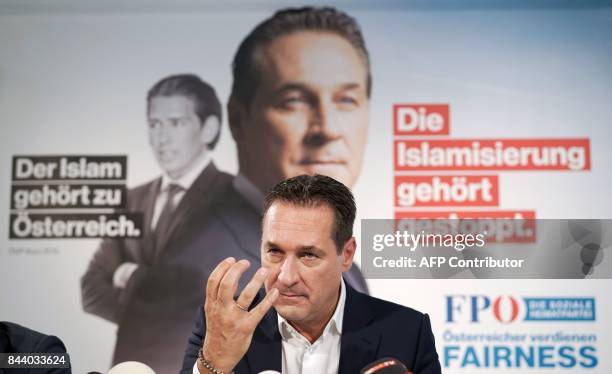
(492, 154)
(446, 190)
(421, 119)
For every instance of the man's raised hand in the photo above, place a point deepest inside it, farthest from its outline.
(229, 324)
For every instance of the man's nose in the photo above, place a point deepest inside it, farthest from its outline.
(324, 124)
(164, 133)
(288, 275)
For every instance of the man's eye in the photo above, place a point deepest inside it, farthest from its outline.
(309, 256)
(274, 255)
(348, 100)
(177, 122)
(293, 102)
(153, 125)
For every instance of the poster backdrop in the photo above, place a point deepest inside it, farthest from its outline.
(504, 104)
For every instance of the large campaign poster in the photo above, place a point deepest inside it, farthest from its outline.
(478, 110)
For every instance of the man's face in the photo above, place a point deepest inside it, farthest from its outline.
(309, 113)
(297, 246)
(176, 133)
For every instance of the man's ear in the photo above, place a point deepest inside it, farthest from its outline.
(348, 252)
(236, 113)
(210, 129)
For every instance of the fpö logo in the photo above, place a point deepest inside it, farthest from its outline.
(507, 309)
(496, 332)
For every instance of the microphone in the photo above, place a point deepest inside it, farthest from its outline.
(385, 365)
(131, 367)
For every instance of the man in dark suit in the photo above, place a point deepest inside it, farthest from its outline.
(148, 285)
(318, 324)
(18, 339)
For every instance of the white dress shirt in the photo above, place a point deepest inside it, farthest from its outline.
(322, 356)
(300, 356)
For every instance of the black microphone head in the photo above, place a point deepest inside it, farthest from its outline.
(385, 365)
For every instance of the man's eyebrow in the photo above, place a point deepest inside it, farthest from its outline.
(292, 86)
(271, 245)
(313, 249)
(171, 117)
(305, 248)
(303, 87)
(350, 86)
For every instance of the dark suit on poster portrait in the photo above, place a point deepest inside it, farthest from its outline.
(150, 286)
(160, 294)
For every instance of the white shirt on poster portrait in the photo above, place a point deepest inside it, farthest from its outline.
(301, 356)
(122, 274)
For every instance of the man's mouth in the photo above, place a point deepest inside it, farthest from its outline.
(165, 155)
(292, 295)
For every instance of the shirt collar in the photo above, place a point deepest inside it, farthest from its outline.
(334, 325)
(187, 179)
(248, 191)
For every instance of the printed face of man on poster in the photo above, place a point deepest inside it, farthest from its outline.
(177, 134)
(300, 105)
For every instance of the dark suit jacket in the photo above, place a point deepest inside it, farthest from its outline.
(155, 310)
(18, 339)
(372, 329)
